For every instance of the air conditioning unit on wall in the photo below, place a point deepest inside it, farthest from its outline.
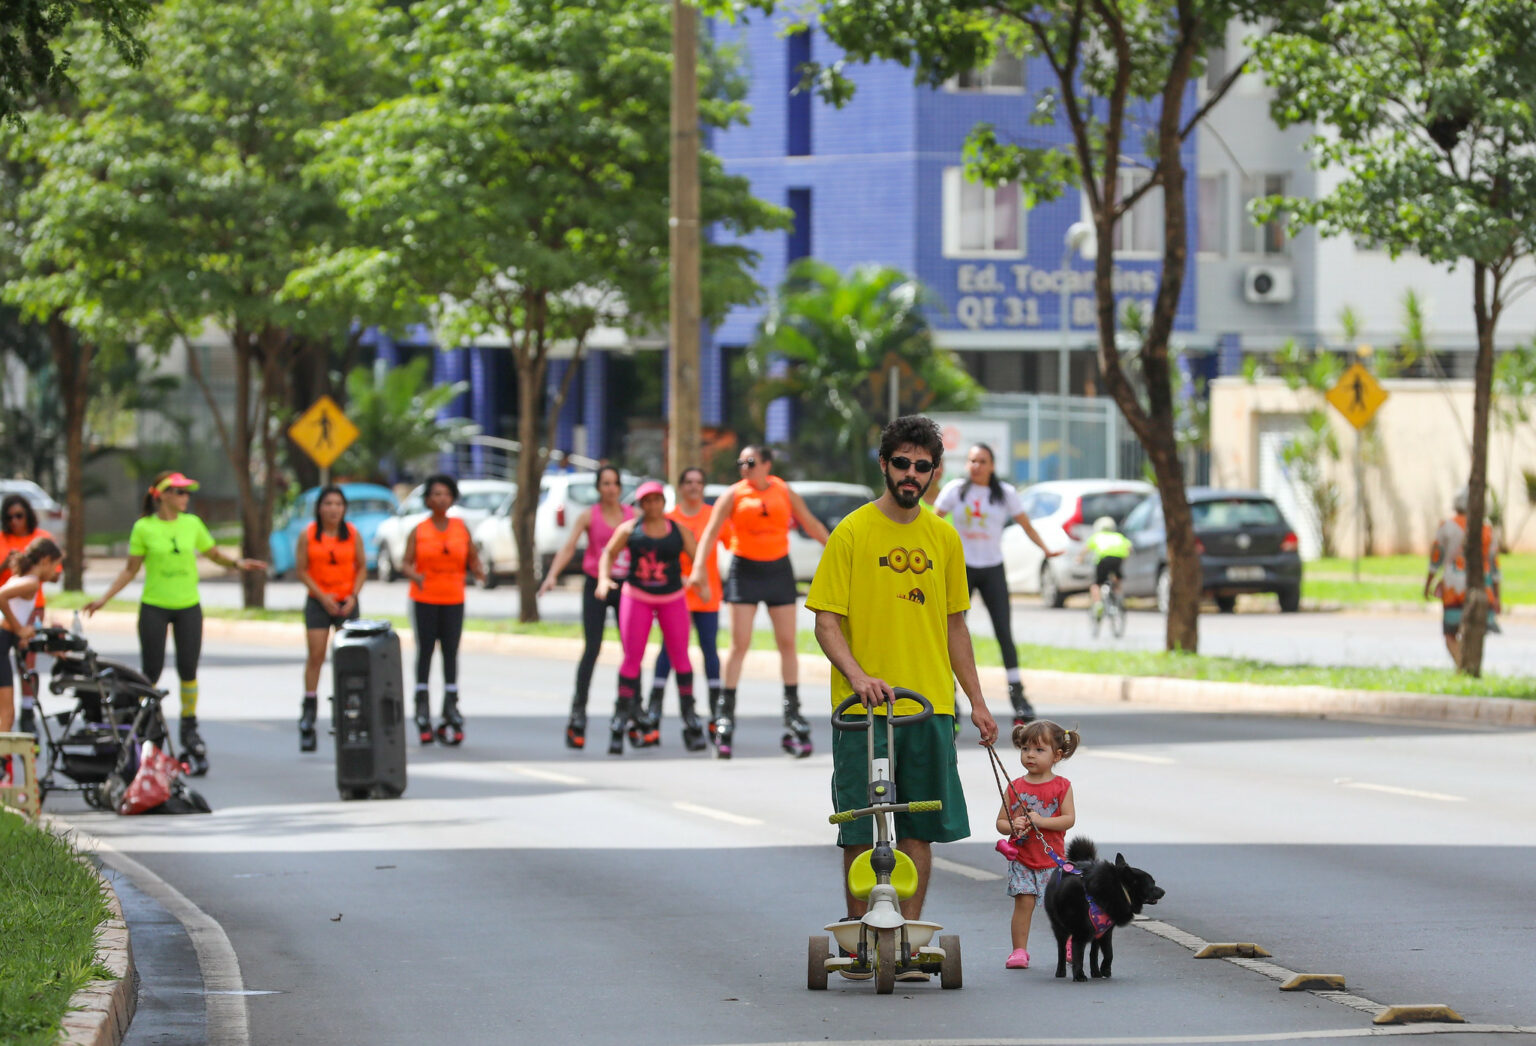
(1268, 284)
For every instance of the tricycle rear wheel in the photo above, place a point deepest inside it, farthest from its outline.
(816, 964)
(949, 971)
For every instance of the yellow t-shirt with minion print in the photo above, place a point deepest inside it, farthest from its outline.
(895, 585)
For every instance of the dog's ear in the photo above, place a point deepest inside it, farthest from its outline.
(1120, 861)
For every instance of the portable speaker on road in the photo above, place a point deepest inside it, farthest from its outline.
(368, 711)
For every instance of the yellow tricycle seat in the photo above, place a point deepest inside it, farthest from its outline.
(861, 877)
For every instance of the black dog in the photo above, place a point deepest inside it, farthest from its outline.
(1118, 890)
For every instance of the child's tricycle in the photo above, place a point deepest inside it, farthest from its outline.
(883, 943)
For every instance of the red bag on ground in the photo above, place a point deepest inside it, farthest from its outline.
(152, 784)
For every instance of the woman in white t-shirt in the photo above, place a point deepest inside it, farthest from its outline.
(980, 506)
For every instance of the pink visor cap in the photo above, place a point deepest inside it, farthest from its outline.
(648, 488)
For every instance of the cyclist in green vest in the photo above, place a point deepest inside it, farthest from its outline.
(1108, 547)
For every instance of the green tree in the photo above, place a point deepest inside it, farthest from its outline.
(1424, 109)
(33, 59)
(829, 342)
(397, 420)
(1122, 72)
(520, 187)
(172, 199)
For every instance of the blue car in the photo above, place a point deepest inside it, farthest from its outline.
(368, 505)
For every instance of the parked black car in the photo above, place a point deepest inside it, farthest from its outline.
(1245, 545)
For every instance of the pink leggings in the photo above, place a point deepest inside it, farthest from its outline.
(635, 617)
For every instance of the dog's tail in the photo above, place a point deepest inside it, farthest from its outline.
(1081, 850)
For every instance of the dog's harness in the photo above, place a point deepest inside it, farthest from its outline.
(1100, 919)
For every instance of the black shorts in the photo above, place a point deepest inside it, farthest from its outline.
(1107, 568)
(316, 617)
(754, 581)
(8, 642)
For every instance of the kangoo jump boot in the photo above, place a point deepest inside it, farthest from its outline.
(308, 738)
(1023, 711)
(645, 728)
(723, 726)
(451, 730)
(693, 730)
(623, 712)
(797, 732)
(423, 718)
(576, 726)
(194, 753)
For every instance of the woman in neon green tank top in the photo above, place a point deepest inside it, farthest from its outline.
(166, 541)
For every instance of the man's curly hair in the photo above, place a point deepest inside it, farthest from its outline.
(913, 429)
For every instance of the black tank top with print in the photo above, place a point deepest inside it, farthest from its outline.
(656, 564)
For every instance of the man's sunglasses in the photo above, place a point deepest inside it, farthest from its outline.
(901, 464)
(746, 463)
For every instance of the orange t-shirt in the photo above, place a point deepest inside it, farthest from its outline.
(697, 523)
(442, 558)
(16, 543)
(332, 560)
(761, 519)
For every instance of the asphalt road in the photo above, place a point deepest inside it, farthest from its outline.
(522, 892)
(1310, 638)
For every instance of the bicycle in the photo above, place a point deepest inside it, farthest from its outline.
(1111, 606)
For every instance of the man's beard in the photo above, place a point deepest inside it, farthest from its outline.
(905, 499)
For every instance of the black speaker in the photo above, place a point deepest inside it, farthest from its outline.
(368, 711)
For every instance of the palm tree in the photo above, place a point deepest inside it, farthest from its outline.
(830, 343)
(397, 420)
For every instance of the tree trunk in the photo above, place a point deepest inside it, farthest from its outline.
(532, 359)
(1474, 619)
(72, 359)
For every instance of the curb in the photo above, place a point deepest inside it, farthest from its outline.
(1153, 692)
(99, 1013)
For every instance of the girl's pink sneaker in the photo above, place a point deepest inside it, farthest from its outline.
(1019, 960)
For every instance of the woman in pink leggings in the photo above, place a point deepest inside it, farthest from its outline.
(653, 592)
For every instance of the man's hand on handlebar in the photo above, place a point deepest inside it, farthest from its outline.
(872, 692)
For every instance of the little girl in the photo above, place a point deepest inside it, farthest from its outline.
(36, 564)
(1043, 800)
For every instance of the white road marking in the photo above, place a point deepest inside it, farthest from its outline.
(718, 815)
(981, 875)
(551, 775)
(224, 992)
(1367, 1032)
(1130, 757)
(1412, 793)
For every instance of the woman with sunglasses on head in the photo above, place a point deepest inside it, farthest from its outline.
(760, 508)
(331, 562)
(438, 554)
(20, 529)
(597, 524)
(166, 541)
(980, 506)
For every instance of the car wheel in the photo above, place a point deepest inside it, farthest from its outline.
(1164, 590)
(1290, 600)
(1050, 592)
(387, 569)
(1226, 604)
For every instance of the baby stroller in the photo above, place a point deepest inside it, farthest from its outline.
(93, 747)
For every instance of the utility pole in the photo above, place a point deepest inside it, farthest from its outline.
(683, 437)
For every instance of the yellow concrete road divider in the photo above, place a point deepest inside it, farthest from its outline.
(1313, 982)
(1429, 1013)
(1233, 949)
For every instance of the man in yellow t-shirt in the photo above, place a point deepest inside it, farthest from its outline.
(890, 598)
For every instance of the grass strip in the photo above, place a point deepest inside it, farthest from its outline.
(50, 906)
(1400, 579)
(1101, 660)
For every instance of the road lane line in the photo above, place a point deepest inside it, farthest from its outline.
(224, 991)
(551, 776)
(981, 875)
(1131, 757)
(1368, 1032)
(1412, 793)
(718, 815)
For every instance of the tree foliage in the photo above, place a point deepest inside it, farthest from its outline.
(1424, 109)
(519, 186)
(397, 419)
(34, 61)
(829, 342)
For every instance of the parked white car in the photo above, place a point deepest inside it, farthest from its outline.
(1062, 512)
(51, 516)
(478, 498)
(828, 502)
(562, 496)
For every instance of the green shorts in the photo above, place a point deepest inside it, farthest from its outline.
(926, 768)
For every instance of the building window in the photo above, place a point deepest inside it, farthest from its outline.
(799, 203)
(1268, 238)
(1212, 214)
(1005, 73)
(979, 220)
(1140, 230)
(797, 124)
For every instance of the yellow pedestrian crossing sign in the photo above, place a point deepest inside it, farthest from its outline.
(323, 431)
(1358, 396)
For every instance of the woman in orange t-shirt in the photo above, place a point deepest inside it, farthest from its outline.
(18, 529)
(329, 559)
(438, 553)
(760, 509)
(693, 513)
